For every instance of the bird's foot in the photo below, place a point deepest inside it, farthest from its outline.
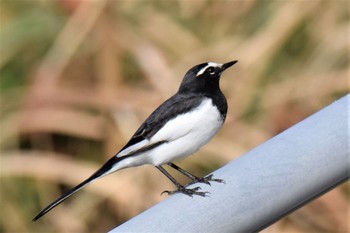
(187, 191)
(206, 180)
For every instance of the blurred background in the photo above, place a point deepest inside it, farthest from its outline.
(77, 78)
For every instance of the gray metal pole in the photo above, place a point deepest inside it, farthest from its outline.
(265, 184)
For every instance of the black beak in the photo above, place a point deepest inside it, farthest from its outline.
(227, 65)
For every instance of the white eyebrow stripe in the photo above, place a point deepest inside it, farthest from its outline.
(210, 64)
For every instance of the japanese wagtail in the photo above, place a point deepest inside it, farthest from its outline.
(176, 129)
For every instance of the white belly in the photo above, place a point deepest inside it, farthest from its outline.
(184, 134)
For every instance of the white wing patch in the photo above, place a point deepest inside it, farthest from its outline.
(134, 148)
(210, 64)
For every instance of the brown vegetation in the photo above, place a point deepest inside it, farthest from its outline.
(78, 77)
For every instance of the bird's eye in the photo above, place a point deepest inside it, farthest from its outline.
(211, 70)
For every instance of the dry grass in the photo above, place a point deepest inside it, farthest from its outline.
(78, 77)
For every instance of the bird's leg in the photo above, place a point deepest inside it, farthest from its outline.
(180, 188)
(196, 179)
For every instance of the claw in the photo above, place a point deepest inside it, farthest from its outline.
(188, 192)
(206, 180)
(165, 191)
(194, 191)
(219, 181)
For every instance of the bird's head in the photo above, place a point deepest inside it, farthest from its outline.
(204, 76)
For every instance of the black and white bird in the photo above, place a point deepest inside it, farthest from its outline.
(176, 129)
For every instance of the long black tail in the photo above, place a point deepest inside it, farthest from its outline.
(104, 170)
(63, 197)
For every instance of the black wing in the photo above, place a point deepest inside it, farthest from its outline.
(176, 105)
